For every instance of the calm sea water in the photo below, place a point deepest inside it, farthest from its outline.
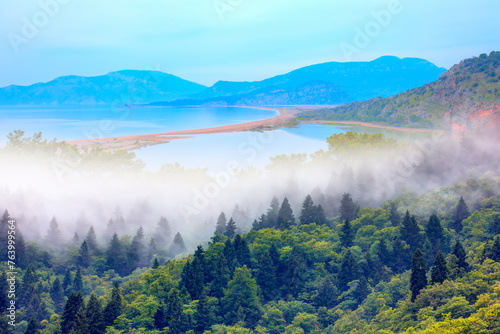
(214, 151)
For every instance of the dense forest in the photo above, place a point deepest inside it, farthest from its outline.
(392, 269)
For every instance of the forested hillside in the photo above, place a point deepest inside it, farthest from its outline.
(398, 268)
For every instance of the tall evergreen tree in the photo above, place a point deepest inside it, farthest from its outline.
(240, 301)
(91, 239)
(163, 233)
(33, 327)
(320, 218)
(94, 315)
(242, 251)
(220, 226)
(221, 277)
(114, 307)
(418, 278)
(346, 234)
(394, 216)
(230, 231)
(160, 317)
(115, 257)
(439, 272)
(285, 216)
(54, 235)
(400, 255)
(203, 316)
(70, 314)
(174, 311)
(267, 277)
(84, 259)
(66, 284)
(349, 270)
(78, 281)
(410, 232)
(4, 287)
(461, 213)
(348, 210)
(308, 213)
(326, 293)
(137, 251)
(295, 273)
(459, 252)
(81, 326)
(177, 246)
(435, 233)
(272, 214)
(57, 295)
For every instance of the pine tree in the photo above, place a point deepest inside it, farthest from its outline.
(230, 231)
(295, 278)
(492, 249)
(174, 312)
(156, 264)
(320, 218)
(81, 326)
(346, 234)
(203, 316)
(136, 254)
(242, 251)
(349, 271)
(221, 277)
(394, 214)
(152, 250)
(459, 252)
(91, 239)
(410, 232)
(285, 216)
(4, 287)
(439, 272)
(326, 293)
(267, 276)
(115, 256)
(435, 233)
(348, 210)
(461, 213)
(70, 314)
(160, 317)
(54, 235)
(84, 259)
(78, 281)
(177, 246)
(66, 284)
(220, 227)
(57, 295)
(94, 315)
(240, 301)
(418, 278)
(400, 256)
(21, 255)
(163, 232)
(308, 213)
(272, 214)
(114, 307)
(230, 255)
(33, 327)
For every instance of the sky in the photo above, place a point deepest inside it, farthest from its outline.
(239, 40)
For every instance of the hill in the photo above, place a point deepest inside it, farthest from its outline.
(128, 86)
(466, 96)
(327, 83)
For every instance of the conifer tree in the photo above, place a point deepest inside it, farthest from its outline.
(174, 311)
(54, 235)
(241, 251)
(4, 287)
(349, 271)
(177, 246)
(114, 307)
(115, 258)
(320, 218)
(294, 277)
(326, 293)
(163, 232)
(160, 317)
(308, 213)
(33, 327)
(137, 251)
(76, 238)
(346, 234)
(94, 315)
(439, 272)
(410, 232)
(221, 277)
(240, 301)
(461, 213)
(394, 214)
(156, 264)
(459, 252)
(70, 314)
(78, 281)
(285, 216)
(84, 259)
(66, 284)
(435, 233)
(57, 295)
(81, 326)
(267, 277)
(220, 227)
(272, 214)
(418, 278)
(348, 210)
(203, 316)
(91, 239)
(230, 231)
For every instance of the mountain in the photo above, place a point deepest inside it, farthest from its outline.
(120, 87)
(340, 83)
(465, 97)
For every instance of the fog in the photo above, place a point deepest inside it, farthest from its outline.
(37, 184)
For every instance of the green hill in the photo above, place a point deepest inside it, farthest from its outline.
(466, 95)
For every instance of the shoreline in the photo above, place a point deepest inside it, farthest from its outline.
(285, 114)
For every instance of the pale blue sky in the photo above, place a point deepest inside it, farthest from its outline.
(209, 40)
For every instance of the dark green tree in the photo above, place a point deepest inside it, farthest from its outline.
(114, 307)
(346, 234)
(33, 327)
(349, 271)
(242, 251)
(295, 272)
(94, 316)
(84, 259)
(81, 325)
(435, 233)
(4, 287)
(230, 231)
(418, 278)
(91, 239)
(394, 216)
(320, 218)
(348, 209)
(203, 316)
(57, 295)
(115, 256)
(461, 213)
(78, 281)
(439, 272)
(174, 311)
(459, 252)
(285, 216)
(267, 277)
(410, 232)
(70, 314)
(240, 301)
(136, 255)
(326, 293)
(160, 317)
(272, 214)
(221, 277)
(308, 213)
(156, 264)
(220, 226)
(66, 284)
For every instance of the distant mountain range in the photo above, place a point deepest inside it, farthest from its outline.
(326, 84)
(120, 87)
(466, 96)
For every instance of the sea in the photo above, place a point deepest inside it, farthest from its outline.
(212, 151)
